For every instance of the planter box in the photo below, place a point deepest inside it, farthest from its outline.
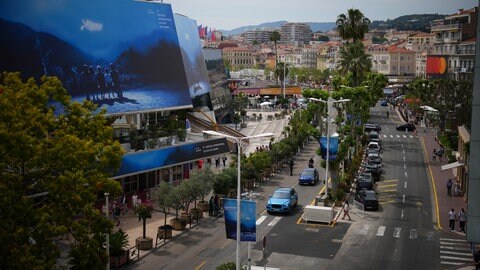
(122, 259)
(178, 224)
(163, 233)
(186, 217)
(144, 243)
(203, 205)
(196, 213)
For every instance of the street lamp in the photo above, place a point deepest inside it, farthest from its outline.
(238, 141)
(329, 102)
(107, 236)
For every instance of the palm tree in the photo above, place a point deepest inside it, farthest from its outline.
(355, 61)
(352, 25)
(280, 71)
(275, 36)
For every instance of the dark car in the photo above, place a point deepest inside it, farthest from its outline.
(308, 176)
(368, 198)
(407, 126)
(283, 200)
(365, 182)
(372, 127)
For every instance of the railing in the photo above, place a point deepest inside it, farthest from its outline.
(446, 27)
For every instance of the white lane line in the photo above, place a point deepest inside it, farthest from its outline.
(403, 151)
(453, 240)
(396, 232)
(381, 230)
(391, 136)
(456, 253)
(411, 136)
(398, 136)
(260, 220)
(405, 184)
(446, 243)
(274, 221)
(406, 175)
(413, 234)
(456, 248)
(364, 229)
(403, 199)
(401, 216)
(456, 258)
(404, 136)
(404, 166)
(451, 263)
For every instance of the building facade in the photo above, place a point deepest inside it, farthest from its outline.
(295, 33)
(259, 35)
(238, 57)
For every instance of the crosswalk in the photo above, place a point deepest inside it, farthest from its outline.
(454, 251)
(397, 136)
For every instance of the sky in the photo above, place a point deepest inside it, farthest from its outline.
(230, 14)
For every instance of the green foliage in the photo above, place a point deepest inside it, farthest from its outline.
(161, 195)
(414, 22)
(352, 25)
(143, 213)
(225, 180)
(339, 194)
(118, 242)
(68, 158)
(354, 60)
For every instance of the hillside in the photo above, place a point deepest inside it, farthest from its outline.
(416, 22)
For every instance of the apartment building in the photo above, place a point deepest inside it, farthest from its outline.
(238, 57)
(454, 40)
(327, 56)
(259, 35)
(395, 62)
(422, 44)
(295, 33)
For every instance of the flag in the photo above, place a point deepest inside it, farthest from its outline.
(200, 30)
(247, 219)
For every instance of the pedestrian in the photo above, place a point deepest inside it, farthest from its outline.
(224, 159)
(134, 200)
(116, 213)
(210, 206)
(346, 209)
(449, 187)
(476, 259)
(434, 154)
(124, 203)
(290, 163)
(310, 163)
(462, 218)
(217, 162)
(216, 205)
(452, 217)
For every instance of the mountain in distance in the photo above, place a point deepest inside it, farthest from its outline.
(315, 26)
(415, 22)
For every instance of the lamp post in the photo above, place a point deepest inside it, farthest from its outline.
(238, 141)
(329, 103)
(107, 236)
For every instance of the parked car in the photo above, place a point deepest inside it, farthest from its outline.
(374, 169)
(283, 200)
(365, 182)
(407, 126)
(368, 198)
(374, 146)
(308, 176)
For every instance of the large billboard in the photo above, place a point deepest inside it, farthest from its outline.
(193, 61)
(123, 55)
(437, 66)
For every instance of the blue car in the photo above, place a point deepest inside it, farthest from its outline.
(283, 200)
(308, 176)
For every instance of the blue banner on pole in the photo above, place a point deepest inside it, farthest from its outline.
(333, 147)
(247, 219)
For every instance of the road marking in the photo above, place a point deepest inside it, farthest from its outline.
(413, 234)
(411, 136)
(406, 175)
(386, 201)
(446, 243)
(274, 221)
(379, 185)
(456, 258)
(396, 232)
(430, 236)
(260, 220)
(403, 158)
(391, 136)
(401, 216)
(403, 199)
(364, 229)
(452, 240)
(404, 166)
(403, 151)
(390, 180)
(432, 181)
(404, 136)
(405, 184)
(451, 263)
(381, 231)
(456, 253)
(398, 136)
(456, 248)
(201, 264)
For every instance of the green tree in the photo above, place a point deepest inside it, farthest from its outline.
(161, 195)
(354, 61)
(352, 25)
(56, 156)
(143, 213)
(281, 72)
(274, 37)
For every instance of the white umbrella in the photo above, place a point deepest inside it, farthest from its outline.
(267, 97)
(266, 103)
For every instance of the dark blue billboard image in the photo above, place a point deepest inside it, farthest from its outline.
(123, 55)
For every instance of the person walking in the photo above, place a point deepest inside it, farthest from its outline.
(462, 218)
(290, 163)
(434, 154)
(224, 160)
(452, 217)
(116, 213)
(134, 200)
(124, 203)
(216, 205)
(449, 187)
(346, 209)
(210, 206)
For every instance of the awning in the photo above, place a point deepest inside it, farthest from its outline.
(428, 108)
(452, 165)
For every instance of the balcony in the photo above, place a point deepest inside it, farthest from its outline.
(445, 27)
(465, 52)
(463, 70)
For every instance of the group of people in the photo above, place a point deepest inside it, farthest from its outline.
(120, 207)
(457, 191)
(100, 83)
(262, 148)
(438, 152)
(214, 206)
(461, 216)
